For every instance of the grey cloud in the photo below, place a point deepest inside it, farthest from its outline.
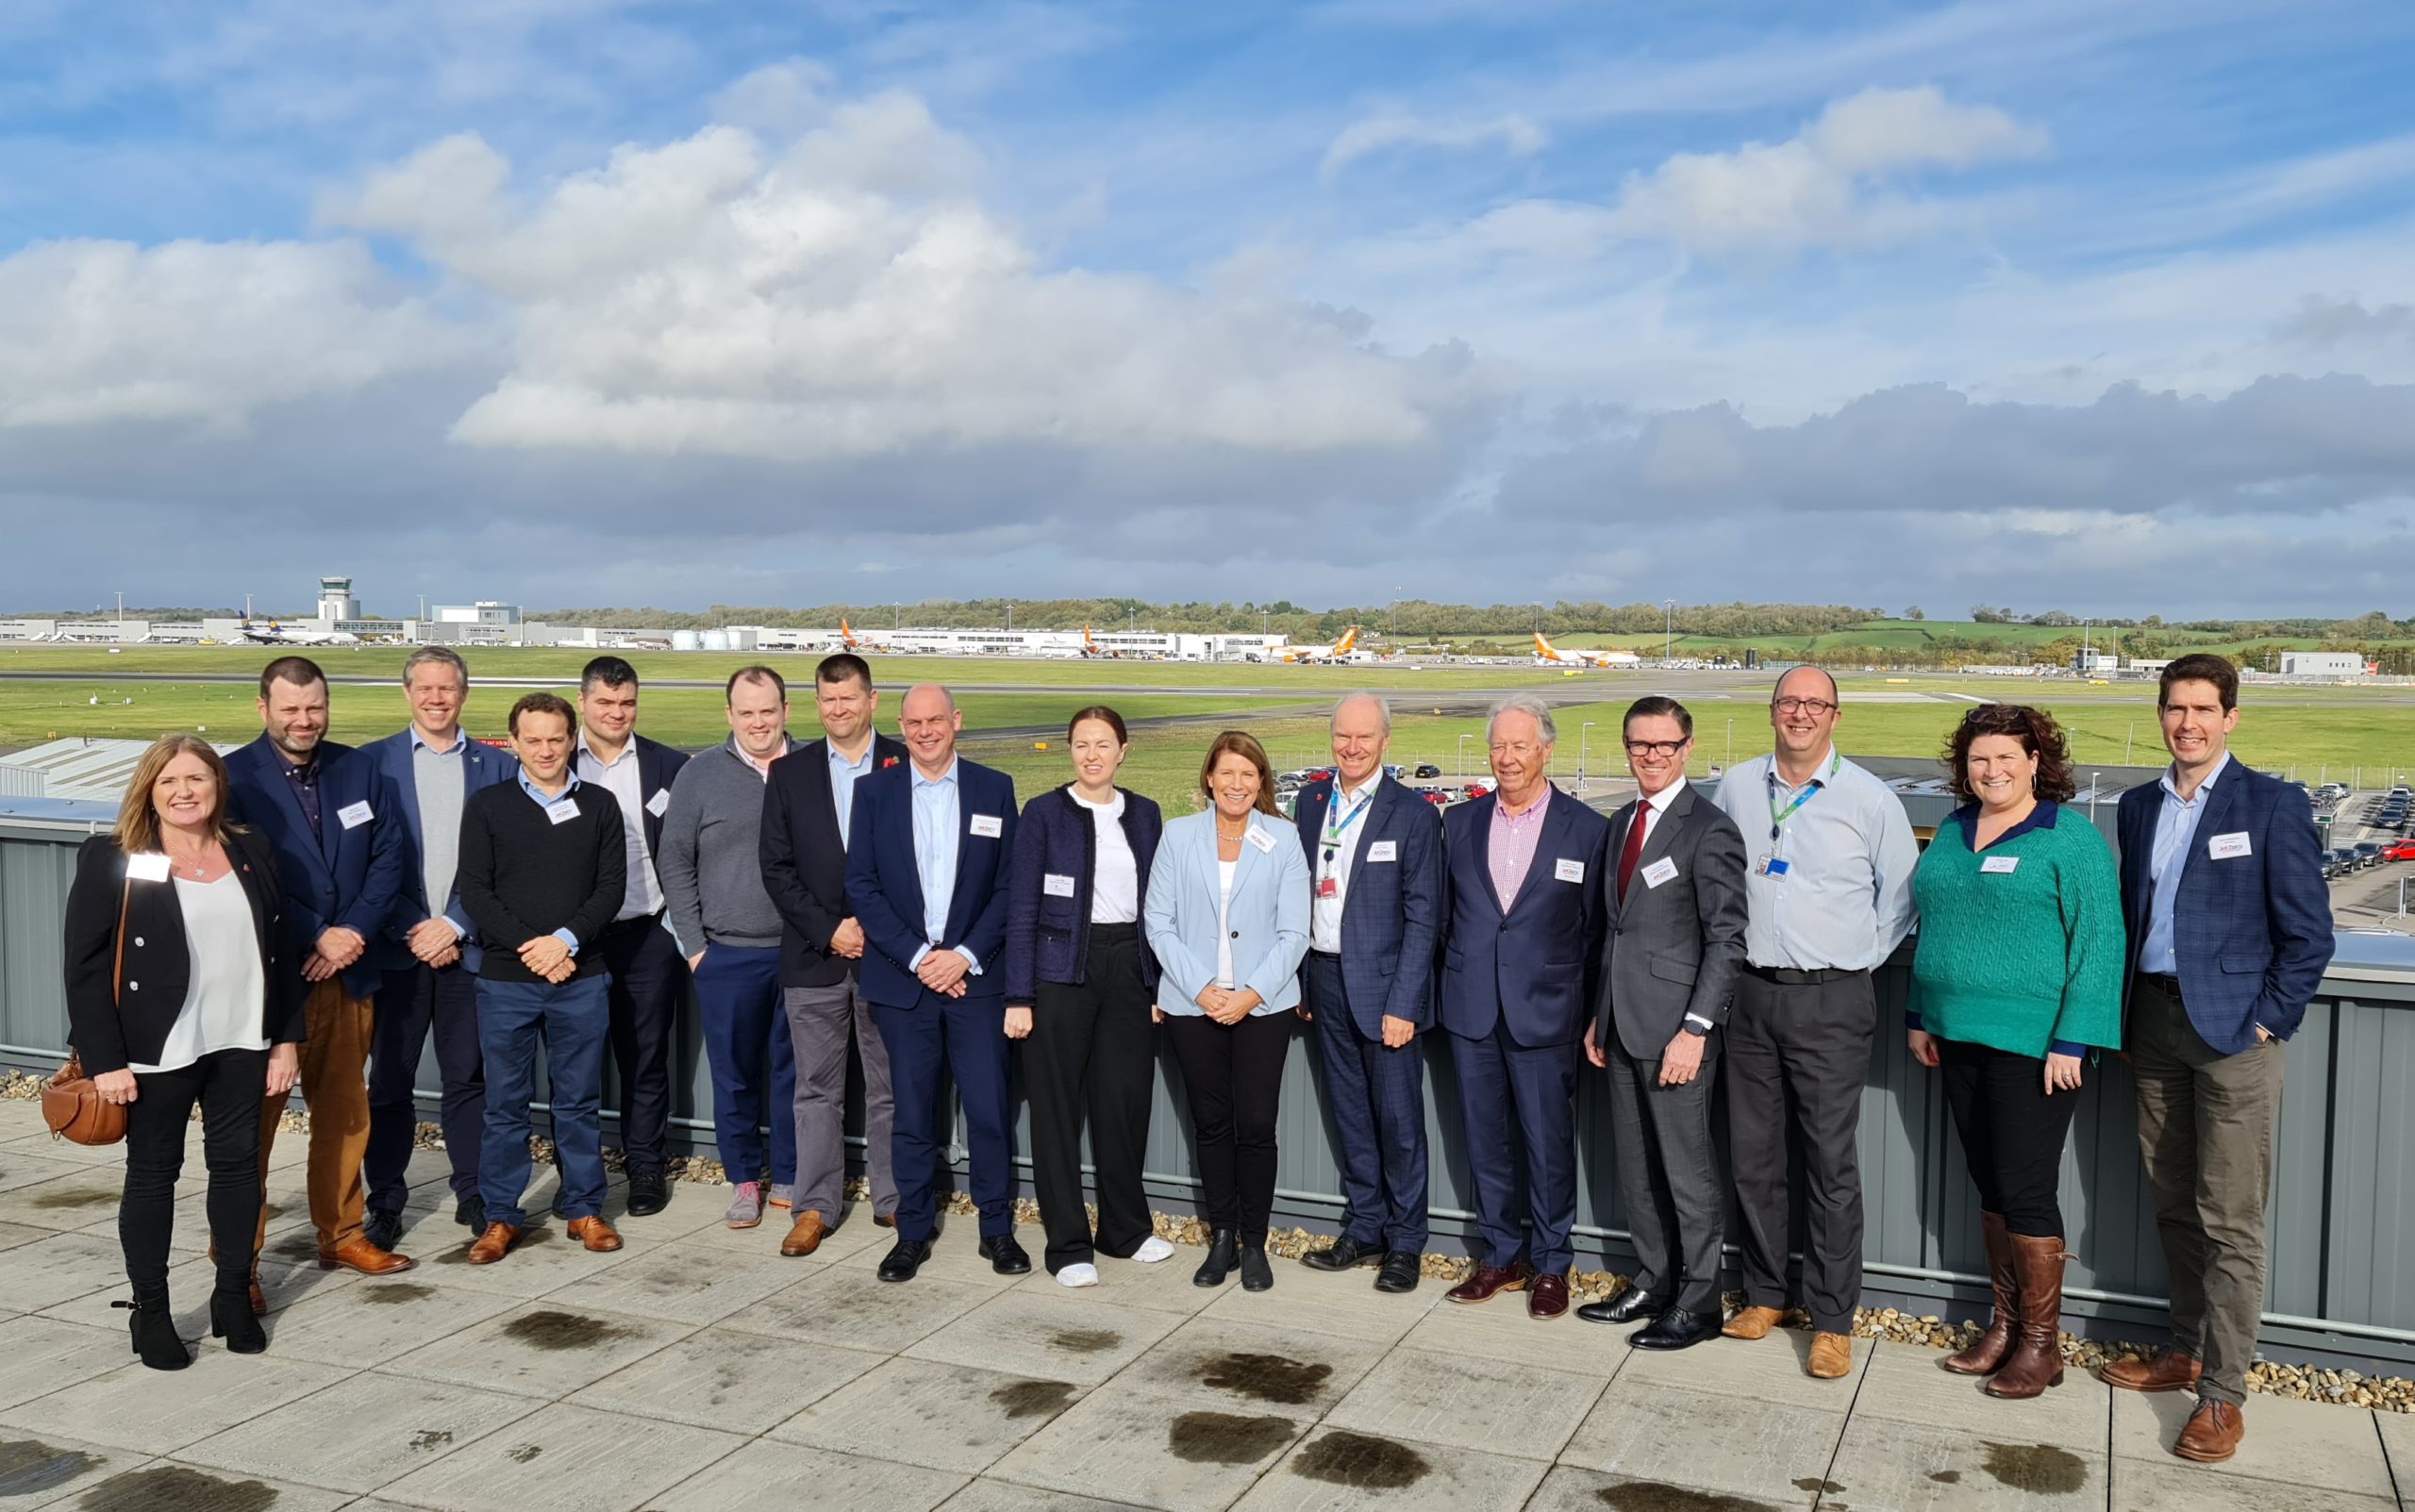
(2320, 321)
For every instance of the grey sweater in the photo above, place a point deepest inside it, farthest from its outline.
(711, 869)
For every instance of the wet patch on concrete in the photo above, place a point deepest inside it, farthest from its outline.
(175, 1488)
(1266, 1377)
(1225, 1438)
(523, 1454)
(1033, 1398)
(556, 1331)
(74, 1197)
(1361, 1462)
(1658, 1496)
(1946, 1477)
(28, 1465)
(2041, 1469)
(1084, 1340)
(1813, 1483)
(432, 1438)
(395, 1293)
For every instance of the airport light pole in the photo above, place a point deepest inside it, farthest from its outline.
(1668, 628)
(1464, 758)
(1580, 754)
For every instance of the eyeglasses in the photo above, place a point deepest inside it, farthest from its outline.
(1518, 748)
(1664, 749)
(1814, 706)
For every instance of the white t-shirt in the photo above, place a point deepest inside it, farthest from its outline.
(1115, 880)
(1223, 928)
(224, 991)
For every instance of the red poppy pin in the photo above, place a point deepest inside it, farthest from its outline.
(887, 762)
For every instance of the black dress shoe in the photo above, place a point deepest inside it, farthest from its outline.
(649, 1193)
(1347, 1254)
(1677, 1329)
(384, 1230)
(1224, 1253)
(1400, 1272)
(472, 1211)
(1006, 1257)
(1256, 1275)
(904, 1260)
(1626, 1307)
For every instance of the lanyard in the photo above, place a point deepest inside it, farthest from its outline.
(1334, 832)
(1817, 786)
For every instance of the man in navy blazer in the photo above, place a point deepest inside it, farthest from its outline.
(428, 954)
(2230, 930)
(928, 849)
(1524, 886)
(1374, 852)
(329, 816)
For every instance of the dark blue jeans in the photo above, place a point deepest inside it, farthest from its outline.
(572, 1020)
(753, 1062)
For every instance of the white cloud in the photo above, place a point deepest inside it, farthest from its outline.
(1388, 129)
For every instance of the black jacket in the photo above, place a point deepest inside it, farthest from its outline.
(109, 1035)
(805, 860)
(1048, 934)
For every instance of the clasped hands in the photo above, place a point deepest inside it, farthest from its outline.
(434, 942)
(337, 949)
(1227, 1004)
(549, 958)
(943, 971)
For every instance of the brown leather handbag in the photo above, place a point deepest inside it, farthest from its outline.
(71, 1105)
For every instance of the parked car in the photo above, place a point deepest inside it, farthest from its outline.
(2399, 851)
(2339, 862)
(1426, 771)
(1439, 797)
(2368, 853)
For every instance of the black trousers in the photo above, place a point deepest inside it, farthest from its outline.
(410, 1003)
(1091, 1050)
(2012, 1133)
(228, 1086)
(649, 982)
(1233, 1078)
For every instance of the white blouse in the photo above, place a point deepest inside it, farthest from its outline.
(1115, 880)
(225, 992)
(1224, 922)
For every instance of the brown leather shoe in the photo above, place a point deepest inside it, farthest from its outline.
(494, 1244)
(886, 1221)
(2166, 1370)
(804, 1235)
(1831, 1357)
(2212, 1435)
(1547, 1297)
(357, 1253)
(1490, 1282)
(596, 1233)
(258, 1299)
(1752, 1322)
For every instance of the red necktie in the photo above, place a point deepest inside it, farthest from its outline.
(1633, 848)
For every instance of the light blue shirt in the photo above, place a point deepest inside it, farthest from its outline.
(843, 773)
(2175, 830)
(1844, 900)
(570, 784)
(938, 817)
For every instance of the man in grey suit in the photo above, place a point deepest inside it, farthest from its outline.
(1669, 963)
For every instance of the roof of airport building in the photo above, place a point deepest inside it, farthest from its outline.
(88, 767)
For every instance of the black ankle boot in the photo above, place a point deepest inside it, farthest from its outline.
(153, 1333)
(231, 1318)
(1223, 1247)
(1256, 1275)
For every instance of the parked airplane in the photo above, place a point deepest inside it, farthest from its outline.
(1338, 651)
(1551, 656)
(277, 635)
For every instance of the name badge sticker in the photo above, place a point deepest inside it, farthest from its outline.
(355, 815)
(1999, 864)
(151, 868)
(1384, 850)
(1056, 884)
(2228, 847)
(562, 811)
(1663, 870)
(1565, 869)
(1261, 839)
(987, 826)
(660, 802)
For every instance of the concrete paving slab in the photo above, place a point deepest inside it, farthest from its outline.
(165, 1486)
(29, 1163)
(189, 1284)
(36, 1471)
(49, 1271)
(697, 1211)
(39, 1356)
(12, 1235)
(1887, 1465)
(566, 1459)
(2177, 1485)
(1908, 1383)
(1419, 1398)
(1719, 1445)
(769, 1477)
(76, 1198)
(1152, 1451)
(1051, 1338)
(2397, 1430)
(1765, 1370)
(738, 1383)
(1500, 1330)
(1245, 1368)
(360, 1433)
(135, 1407)
(1339, 1305)
(682, 1282)
(1334, 1469)
(2295, 1443)
(540, 1348)
(1164, 1286)
(984, 1495)
(377, 1319)
(954, 1258)
(849, 1308)
(924, 1412)
(1567, 1488)
(544, 1260)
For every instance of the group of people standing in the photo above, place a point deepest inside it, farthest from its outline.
(308, 912)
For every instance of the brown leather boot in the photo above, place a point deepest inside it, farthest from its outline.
(2037, 1358)
(1988, 1354)
(2211, 1433)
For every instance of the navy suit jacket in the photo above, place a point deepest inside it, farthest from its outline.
(483, 766)
(342, 876)
(1048, 934)
(2251, 934)
(1392, 917)
(804, 859)
(1531, 970)
(885, 885)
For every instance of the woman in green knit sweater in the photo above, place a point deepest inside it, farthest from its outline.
(2018, 973)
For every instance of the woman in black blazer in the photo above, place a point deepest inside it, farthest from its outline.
(1079, 983)
(178, 995)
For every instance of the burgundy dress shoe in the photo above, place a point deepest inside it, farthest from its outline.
(1547, 1297)
(1489, 1281)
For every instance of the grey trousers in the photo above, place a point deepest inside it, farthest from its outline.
(1668, 1178)
(819, 1021)
(2205, 1122)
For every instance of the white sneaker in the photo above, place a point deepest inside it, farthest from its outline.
(1078, 1275)
(1152, 1250)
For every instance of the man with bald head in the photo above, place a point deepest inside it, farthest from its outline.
(928, 846)
(1829, 897)
(1374, 853)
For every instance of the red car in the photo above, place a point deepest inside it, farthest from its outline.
(1476, 789)
(2399, 851)
(1439, 797)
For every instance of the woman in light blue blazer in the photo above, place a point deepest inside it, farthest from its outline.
(1227, 917)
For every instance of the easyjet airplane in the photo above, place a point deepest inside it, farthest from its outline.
(1548, 653)
(1338, 651)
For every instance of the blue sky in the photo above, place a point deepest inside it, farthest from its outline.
(581, 302)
